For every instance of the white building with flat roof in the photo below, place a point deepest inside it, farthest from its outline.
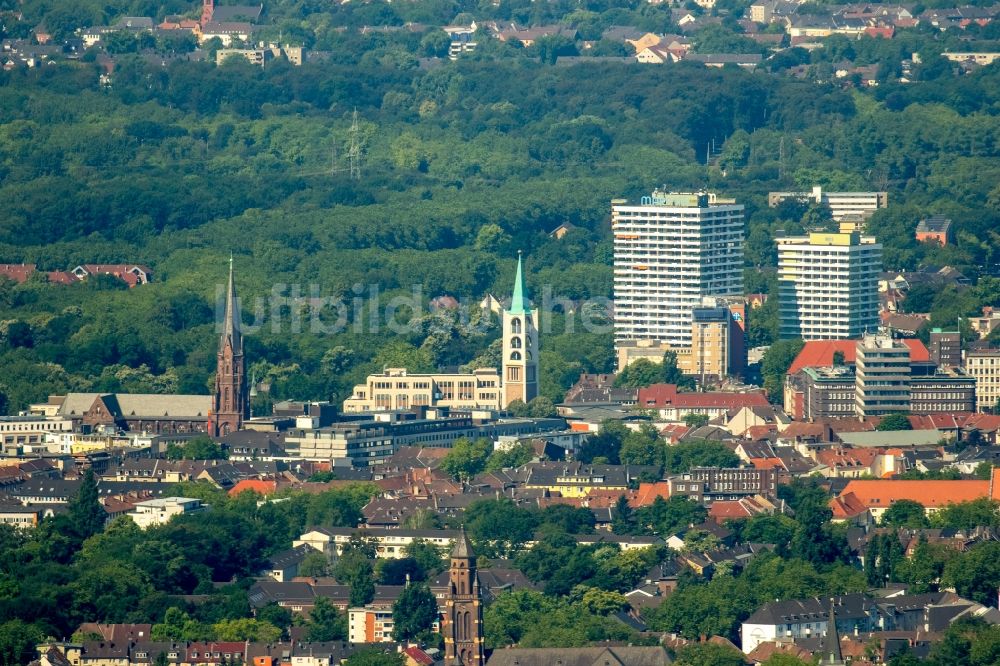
(842, 204)
(160, 511)
(670, 251)
(828, 285)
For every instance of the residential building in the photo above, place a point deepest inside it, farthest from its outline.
(828, 285)
(842, 204)
(160, 511)
(878, 495)
(712, 344)
(617, 655)
(936, 228)
(285, 565)
(227, 32)
(463, 39)
(19, 431)
(520, 344)
(981, 58)
(575, 479)
(132, 274)
(370, 624)
(945, 348)
(670, 251)
(389, 543)
(821, 622)
(253, 56)
(881, 376)
(396, 388)
(987, 322)
(15, 514)
(718, 342)
(674, 405)
(983, 365)
(708, 484)
(231, 399)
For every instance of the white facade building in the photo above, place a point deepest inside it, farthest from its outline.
(389, 544)
(984, 366)
(670, 251)
(160, 511)
(828, 285)
(842, 204)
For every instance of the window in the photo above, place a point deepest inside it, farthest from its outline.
(515, 356)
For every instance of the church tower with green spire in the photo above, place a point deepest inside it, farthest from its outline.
(520, 344)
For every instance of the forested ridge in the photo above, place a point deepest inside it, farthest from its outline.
(463, 164)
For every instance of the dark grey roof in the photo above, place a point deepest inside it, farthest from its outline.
(795, 611)
(291, 557)
(226, 13)
(934, 223)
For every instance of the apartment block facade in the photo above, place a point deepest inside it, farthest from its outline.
(672, 250)
(828, 285)
(984, 366)
(395, 388)
(708, 484)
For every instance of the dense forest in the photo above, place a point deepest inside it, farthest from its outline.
(462, 164)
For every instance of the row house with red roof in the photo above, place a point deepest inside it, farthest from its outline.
(131, 274)
(875, 496)
(674, 405)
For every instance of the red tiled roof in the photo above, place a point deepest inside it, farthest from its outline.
(767, 463)
(649, 492)
(672, 432)
(765, 650)
(819, 353)
(804, 429)
(880, 494)
(728, 509)
(17, 272)
(847, 505)
(840, 457)
(62, 277)
(760, 431)
(663, 395)
(256, 485)
(418, 655)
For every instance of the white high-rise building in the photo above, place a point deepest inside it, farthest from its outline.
(670, 251)
(828, 285)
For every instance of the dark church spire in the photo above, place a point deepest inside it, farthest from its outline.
(231, 401)
(231, 322)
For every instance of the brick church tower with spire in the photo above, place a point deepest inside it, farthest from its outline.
(462, 626)
(207, 12)
(230, 402)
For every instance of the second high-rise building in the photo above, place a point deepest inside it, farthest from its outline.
(828, 285)
(671, 250)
